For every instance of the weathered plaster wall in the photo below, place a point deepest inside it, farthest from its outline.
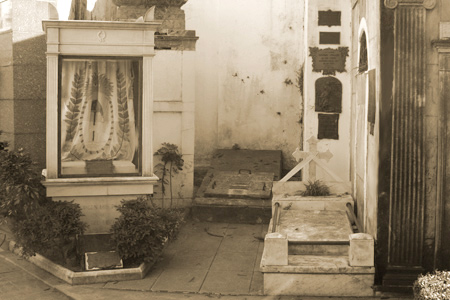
(247, 58)
(365, 146)
(23, 74)
(340, 148)
(174, 103)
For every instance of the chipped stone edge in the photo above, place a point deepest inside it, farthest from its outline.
(87, 277)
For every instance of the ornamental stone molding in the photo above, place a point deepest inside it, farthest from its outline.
(149, 3)
(428, 4)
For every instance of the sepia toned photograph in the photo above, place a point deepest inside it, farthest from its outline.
(224, 149)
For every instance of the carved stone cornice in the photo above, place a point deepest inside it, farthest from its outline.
(428, 4)
(149, 3)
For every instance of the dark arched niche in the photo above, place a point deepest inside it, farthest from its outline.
(328, 95)
(363, 60)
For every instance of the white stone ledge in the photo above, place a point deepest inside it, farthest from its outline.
(99, 186)
(317, 264)
(86, 277)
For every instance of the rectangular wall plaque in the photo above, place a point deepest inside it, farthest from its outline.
(328, 60)
(329, 38)
(328, 126)
(329, 18)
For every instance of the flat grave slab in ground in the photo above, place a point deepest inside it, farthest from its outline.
(238, 186)
(252, 160)
(232, 184)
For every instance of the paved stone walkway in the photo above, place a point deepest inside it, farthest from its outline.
(16, 283)
(207, 261)
(216, 258)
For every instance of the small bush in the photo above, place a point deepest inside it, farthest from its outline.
(173, 162)
(316, 188)
(50, 228)
(20, 185)
(142, 230)
(434, 286)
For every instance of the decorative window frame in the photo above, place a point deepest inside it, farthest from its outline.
(99, 39)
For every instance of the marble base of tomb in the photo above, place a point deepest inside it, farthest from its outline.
(314, 252)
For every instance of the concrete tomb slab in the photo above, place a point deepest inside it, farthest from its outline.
(269, 161)
(238, 185)
(315, 225)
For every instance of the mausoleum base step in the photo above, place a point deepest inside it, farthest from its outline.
(322, 248)
(311, 275)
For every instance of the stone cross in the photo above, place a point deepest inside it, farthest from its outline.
(312, 142)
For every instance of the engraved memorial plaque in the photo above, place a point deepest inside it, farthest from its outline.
(329, 61)
(328, 95)
(329, 18)
(328, 126)
(330, 38)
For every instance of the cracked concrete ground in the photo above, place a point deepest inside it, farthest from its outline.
(206, 261)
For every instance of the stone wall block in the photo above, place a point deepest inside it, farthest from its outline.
(30, 82)
(6, 83)
(29, 116)
(276, 249)
(361, 250)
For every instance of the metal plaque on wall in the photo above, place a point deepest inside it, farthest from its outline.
(329, 18)
(329, 61)
(328, 126)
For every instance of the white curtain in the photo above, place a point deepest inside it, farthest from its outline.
(97, 110)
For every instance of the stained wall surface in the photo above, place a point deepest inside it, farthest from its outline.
(365, 136)
(23, 73)
(248, 58)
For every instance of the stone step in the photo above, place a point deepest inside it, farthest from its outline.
(320, 248)
(312, 275)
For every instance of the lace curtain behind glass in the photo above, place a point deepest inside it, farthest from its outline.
(97, 110)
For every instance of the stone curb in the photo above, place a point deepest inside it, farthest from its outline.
(88, 277)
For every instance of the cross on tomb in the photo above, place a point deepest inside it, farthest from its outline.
(312, 142)
(311, 157)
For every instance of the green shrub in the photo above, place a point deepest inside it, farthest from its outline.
(20, 185)
(434, 286)
(316, 188)
(51, 227)
(142, 230)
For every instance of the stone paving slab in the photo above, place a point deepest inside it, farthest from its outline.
(16, 283)
(180, 280)
(234, 261)
(227, 282)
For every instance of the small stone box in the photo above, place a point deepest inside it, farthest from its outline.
(361, 250)
(275, 250)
